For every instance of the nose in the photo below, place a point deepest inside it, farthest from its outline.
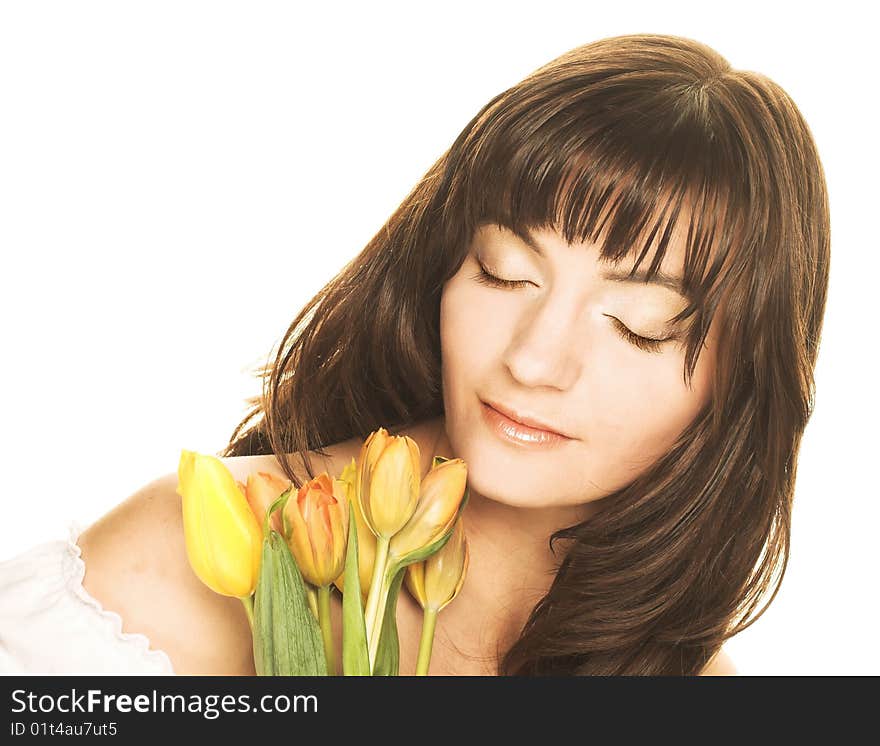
(544, 350)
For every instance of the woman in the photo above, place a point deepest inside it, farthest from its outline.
(627, 250)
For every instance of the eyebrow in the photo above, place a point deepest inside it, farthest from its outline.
(619, 275)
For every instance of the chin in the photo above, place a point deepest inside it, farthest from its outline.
(514, 484)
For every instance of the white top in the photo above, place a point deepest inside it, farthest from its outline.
(49, 624)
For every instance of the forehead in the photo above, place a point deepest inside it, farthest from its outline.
(663, 230)
(549, 242)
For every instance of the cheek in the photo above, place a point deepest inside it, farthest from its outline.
(646, 407)
(471, 331)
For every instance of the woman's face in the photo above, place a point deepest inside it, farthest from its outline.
(554, 349)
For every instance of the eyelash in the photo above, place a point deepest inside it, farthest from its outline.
(647, 344)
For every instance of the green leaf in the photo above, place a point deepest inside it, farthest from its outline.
(264, 640)
(287, 639)
(280, 501)
(294, 621)
(355, 655)
(388, 651)
(421, 554)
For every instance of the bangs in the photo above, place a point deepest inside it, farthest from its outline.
(625, 188)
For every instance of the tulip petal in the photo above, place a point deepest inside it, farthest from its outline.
(371, 449)
(394, 486)
(222, 536)
(415, 582)
(298, 540)
(442, 492)
(444, 570)
(261, 490)
(317, 532)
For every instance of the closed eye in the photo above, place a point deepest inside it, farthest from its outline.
(486, 278)
(648, 344)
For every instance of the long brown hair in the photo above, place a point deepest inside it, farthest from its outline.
(613, 142)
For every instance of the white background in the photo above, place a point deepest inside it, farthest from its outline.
(170, 182)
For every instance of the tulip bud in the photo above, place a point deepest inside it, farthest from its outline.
(222, 535)
(388, 480)
(436, 581)
(318, 521)
(442, 491)
(365, 537)
(261, 490)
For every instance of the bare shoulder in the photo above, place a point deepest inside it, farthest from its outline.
(721, 664)
(136, 565)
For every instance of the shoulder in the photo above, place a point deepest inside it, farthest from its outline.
(136, 565)
(720, 664)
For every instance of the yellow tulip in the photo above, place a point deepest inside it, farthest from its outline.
(436, 581)
(365, 537)
(261, 490)
(388, 483)
(388, 480)
(318, 520)
(223, 538)
(442, 491)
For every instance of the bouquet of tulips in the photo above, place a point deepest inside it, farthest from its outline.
(282, 551)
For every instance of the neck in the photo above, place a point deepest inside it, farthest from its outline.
(511, 568)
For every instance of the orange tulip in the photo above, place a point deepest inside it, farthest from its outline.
(261, 490)
(318, 521)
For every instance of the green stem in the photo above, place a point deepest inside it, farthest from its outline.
(429, 622)
(376, 585)
(248, 603)
(378, 621)
(326, 630)
(312, 596)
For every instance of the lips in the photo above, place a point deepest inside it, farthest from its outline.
(523, 419)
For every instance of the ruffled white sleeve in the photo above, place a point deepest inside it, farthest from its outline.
(49, 624)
